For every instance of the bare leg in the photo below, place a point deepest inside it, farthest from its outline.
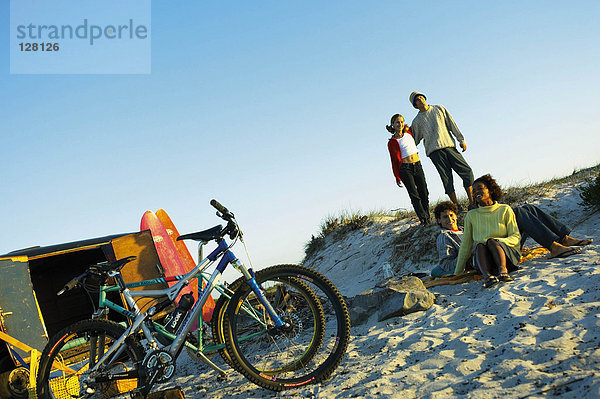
(485, 261)
(453, 197)
(469, 191)
(498, 255)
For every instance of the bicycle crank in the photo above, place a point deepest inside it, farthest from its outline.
(159, 366)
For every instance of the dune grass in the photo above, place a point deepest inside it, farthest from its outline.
(590, 194)
(338, 225)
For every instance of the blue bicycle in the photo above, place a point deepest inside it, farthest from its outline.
(283, 327)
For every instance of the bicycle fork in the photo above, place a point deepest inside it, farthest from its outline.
(251, 280)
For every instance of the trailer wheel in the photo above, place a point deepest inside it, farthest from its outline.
(14, 384)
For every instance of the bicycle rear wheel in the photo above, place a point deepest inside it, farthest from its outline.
(66, 359)
(216, 323)
(308, 351)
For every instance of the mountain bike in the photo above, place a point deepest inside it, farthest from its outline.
(283, 327)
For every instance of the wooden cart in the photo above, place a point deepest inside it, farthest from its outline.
(30, 278)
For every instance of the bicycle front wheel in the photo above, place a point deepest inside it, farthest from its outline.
(309, 349)
(66, 360)
(247, 307)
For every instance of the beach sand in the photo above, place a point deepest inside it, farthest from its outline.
(538, 336)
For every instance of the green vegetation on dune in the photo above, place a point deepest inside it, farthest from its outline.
(590, 194)
(337, 226)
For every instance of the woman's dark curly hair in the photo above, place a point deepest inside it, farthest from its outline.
(493, 187)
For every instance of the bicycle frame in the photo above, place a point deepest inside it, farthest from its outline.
(103, 302)
(139, 318)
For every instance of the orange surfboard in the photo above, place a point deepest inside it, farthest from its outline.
(167, 253)
(188, 261)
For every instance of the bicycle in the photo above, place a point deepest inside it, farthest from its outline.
(284, 326)
(195, 344)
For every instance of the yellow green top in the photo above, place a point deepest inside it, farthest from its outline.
(494, 221)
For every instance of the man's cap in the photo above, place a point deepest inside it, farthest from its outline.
(414, 95)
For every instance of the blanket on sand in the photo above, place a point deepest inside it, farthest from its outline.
(451, 279)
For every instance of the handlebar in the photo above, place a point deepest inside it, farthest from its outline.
(223, 212)
(73, 283)
(232, 228)
(218, 206)
(99, 269)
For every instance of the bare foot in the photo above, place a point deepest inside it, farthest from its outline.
(570, 241)
(558, 249)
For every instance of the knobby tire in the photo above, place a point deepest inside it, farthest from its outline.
(284, 361)
(71, 349)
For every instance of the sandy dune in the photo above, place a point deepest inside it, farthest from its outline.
(535, 337)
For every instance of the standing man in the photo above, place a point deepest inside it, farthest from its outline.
(435, 126)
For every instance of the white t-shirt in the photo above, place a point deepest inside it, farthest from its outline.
(407, 145)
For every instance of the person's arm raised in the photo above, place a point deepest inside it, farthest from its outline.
(466, 246)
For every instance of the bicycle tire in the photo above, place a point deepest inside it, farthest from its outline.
(256, 361)
(216, 323)
(71, 348)
(301, 288)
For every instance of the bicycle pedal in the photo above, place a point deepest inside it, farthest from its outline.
(136, 395)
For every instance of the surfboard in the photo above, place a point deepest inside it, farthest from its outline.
(167, 253)
(188, 261)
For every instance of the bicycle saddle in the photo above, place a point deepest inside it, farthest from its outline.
(205, 235)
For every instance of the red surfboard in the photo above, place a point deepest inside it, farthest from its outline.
(188, 261)
(167, 253)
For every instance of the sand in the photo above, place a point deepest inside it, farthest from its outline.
(535, 337)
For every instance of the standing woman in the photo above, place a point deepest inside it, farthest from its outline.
(493, 228)
(407, 166)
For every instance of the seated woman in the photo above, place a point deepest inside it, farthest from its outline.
(407, 166)
(547, 231)
(492, 227)
(544, 229)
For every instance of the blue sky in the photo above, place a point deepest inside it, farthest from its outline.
(278, 110)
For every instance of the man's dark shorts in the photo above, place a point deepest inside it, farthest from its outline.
(448, 159)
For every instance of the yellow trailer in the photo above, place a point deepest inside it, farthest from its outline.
(31, 310)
